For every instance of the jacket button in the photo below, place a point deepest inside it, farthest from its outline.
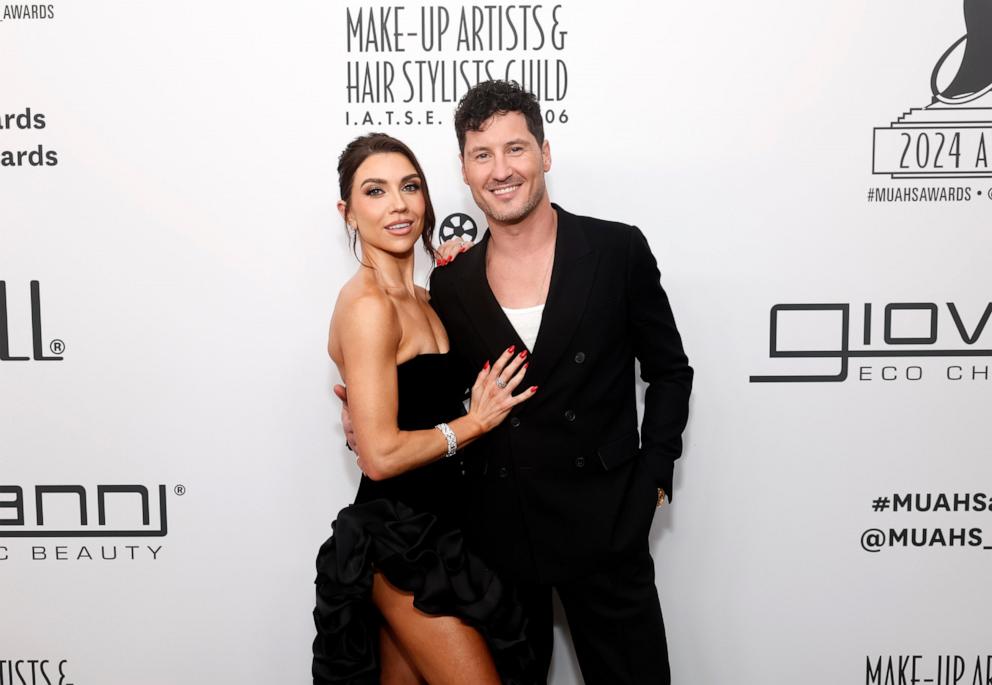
(569, 415)
(580, 357)
(503, 472)
(514, 421)
(580, 462)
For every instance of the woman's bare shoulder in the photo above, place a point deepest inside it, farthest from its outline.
(364, 315)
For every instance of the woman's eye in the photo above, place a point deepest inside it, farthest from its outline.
(373, 192)
(411, 187)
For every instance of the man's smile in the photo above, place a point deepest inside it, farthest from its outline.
(504, 189)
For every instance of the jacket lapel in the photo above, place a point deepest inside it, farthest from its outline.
(571, 280)
(481, 306)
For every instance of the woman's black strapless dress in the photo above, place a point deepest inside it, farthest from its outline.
(407, 527)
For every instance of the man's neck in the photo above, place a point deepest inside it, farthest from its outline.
(520, 258)
(527, 237)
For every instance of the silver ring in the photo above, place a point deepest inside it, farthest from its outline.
(500, 383)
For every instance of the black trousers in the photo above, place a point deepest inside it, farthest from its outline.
(615, 620)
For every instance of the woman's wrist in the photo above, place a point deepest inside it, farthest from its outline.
(450, 439)
(470, 426)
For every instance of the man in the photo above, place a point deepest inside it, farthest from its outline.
(563, 493)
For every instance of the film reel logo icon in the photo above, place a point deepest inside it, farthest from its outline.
(458, 225)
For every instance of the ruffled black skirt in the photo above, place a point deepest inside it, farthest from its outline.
(417, 554)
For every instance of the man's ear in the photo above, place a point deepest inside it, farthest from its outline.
(461, 160)
(546, 155)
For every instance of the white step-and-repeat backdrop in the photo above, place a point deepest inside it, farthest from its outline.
(814, 179)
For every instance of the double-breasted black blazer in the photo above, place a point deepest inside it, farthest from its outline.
(566, 483)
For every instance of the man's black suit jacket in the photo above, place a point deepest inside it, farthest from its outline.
(565, 485)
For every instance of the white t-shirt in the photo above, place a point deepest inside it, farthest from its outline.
(526, 322)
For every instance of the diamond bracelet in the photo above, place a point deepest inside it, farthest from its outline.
(449, 436)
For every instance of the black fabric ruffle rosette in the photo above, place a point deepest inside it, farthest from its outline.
(419, 555)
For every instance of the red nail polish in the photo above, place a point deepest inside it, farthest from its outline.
(486, 367)
(510, 349)
(523, 355)
(533, 388)
(437, 262)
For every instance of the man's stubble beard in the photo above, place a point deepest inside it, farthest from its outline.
(514, 217)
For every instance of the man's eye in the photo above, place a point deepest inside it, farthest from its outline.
(517, 148)
(482, 155)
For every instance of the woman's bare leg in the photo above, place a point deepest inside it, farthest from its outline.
(443, 649)
(396, 668)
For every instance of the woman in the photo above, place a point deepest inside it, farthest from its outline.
(399, 599)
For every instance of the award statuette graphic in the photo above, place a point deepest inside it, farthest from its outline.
(950, 137)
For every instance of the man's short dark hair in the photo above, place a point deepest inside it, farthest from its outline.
(488, 98)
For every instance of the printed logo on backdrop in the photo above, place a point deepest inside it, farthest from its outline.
(26, 333)
(883, 342)
(18, 11)
(935, 669)
(82, 515)
(458, 225)
(34, 671)
(409, 65)
(950, 138)
(927, 520)
(18, 146)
